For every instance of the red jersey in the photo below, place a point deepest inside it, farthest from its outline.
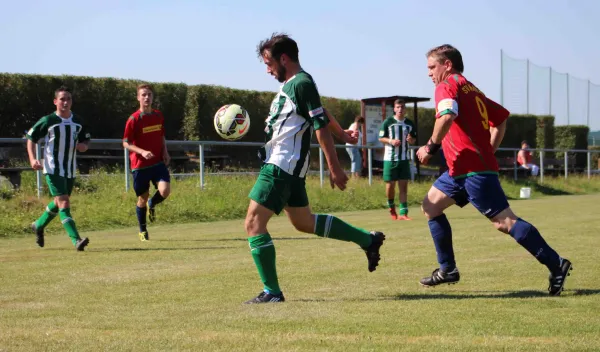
(146, 131)
(467, 146)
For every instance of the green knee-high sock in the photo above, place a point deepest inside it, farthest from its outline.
(263, 253)
(329, 226)
(69, 224)
(47, 216)
(391, 204)
(404, 208)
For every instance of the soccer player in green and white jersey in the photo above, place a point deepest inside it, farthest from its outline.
(64, 135)
(295, 113)
(397, 132)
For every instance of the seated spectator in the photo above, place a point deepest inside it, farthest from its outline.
(524, 158)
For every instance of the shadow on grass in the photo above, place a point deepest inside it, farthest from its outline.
(491, 294)
(244, 239)
(457, 296)
(155, 249)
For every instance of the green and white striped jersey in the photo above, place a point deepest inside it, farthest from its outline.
(397, 129)
(61, 137)
(295, 112)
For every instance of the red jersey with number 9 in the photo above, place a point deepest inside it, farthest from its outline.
(467, 146)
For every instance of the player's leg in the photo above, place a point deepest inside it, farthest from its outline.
(141, 186)
(403, 176)
(329, 226)
(390, 178)
(40, 224)
(267, 197)
(494, 205)
(444, 193)
(62, 192)
(162, 181)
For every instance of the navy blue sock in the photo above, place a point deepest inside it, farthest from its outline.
(441, 232)
(529, 237)
(155, 200)
(141, 215)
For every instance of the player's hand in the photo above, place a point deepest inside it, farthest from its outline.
(166, 158)
(410, 139)
(147, 155)
(423, 155)
(82, 147)
(350, 137)
(395, 142)
(35, 164)
(337, 177)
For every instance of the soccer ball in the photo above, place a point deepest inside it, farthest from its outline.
(232, 122)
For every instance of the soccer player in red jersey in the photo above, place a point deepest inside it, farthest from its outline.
(469, 126)
(145, 139)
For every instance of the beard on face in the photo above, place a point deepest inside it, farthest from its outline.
(281, 73)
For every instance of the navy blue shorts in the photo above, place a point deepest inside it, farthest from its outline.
(482, 190)
(154, 174)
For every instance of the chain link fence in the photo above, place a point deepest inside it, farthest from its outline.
(526, 88)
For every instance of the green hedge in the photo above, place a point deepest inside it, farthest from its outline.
(572, 137)
(545, 133)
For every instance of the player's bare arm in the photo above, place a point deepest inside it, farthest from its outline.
(35, 164)
(410, 139)
(346, 136)
(440, 129)
(146, 154)
(497, 135)
(82, 147)
(166, 156)
(336, 174)
(390, 141)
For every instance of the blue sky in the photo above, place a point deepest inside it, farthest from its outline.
(353, 49)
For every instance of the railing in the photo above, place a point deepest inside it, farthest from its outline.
(201, 145)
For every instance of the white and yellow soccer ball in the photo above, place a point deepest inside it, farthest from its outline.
(232, 122)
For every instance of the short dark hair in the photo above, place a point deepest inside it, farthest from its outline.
(399, 101)
(524, 142)
(278, 44)
(448, 52)
(62, 89)
(359, 119)
(145, 86)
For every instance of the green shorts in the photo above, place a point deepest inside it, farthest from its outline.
(396, 170)
(275, 189)
(59, 186)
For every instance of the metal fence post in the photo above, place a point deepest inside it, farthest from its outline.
(126, 156)
(515, 163)
(38, 173)
(370, 161)
(201, 166)
(541, 166)
(566, 164)
(321, 167)
(589, 162)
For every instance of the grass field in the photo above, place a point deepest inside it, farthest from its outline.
(183, 290)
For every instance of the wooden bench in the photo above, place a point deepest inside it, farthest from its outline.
(552, 166)
(14, 174)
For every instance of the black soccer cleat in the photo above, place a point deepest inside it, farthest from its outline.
(372, 251)
(151, 214)
(39, 234)
(439, 277)
(557, 279)
(264, 297)
(81, 243)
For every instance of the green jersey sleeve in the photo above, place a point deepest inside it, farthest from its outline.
(84, 134)
(383, 131)
(309, 104)
(413, 130)
(39, 130)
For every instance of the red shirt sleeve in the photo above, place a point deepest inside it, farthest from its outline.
(496, 113)
(446, 99)
(129, 135)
